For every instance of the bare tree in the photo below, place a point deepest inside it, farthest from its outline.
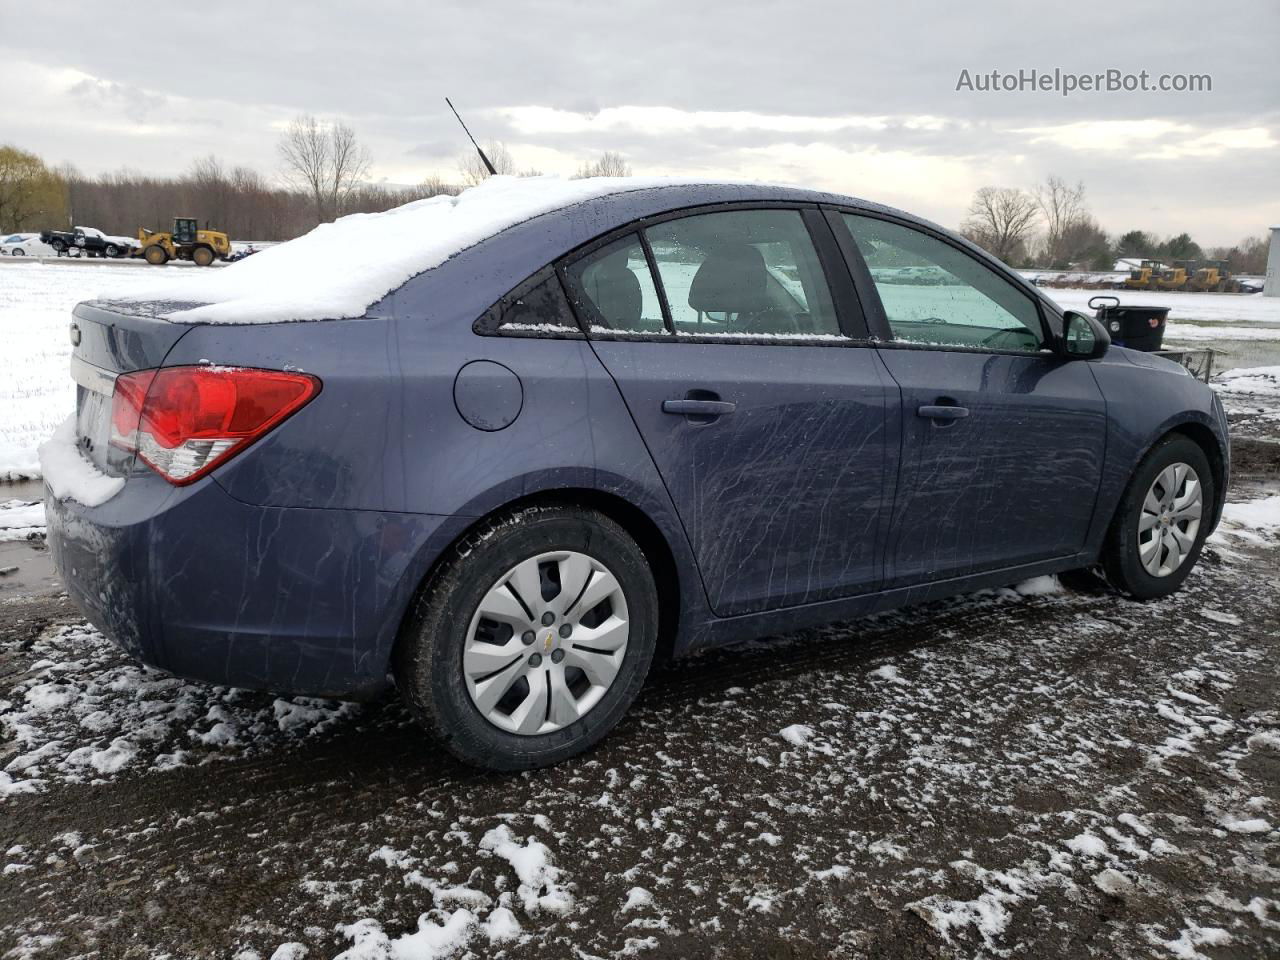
(1000, 221)
(325, 160)
(1063, 207)
(433, 186)
(609, 164)
(473, 169)
(30, 193)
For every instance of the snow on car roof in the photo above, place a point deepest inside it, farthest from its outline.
(340, 269)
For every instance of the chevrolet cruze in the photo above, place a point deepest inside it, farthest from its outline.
(561, 431)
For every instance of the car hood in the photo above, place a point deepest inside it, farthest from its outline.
(1151, 361)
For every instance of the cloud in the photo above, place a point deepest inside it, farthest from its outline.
(134, 102)
(836, 93)
(1151, 139)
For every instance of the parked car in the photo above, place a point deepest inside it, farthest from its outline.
(25, 245)
(607, 433)
(88, 241)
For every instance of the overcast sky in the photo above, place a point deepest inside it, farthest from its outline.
(856, 97)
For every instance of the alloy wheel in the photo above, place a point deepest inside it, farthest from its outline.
(546, 643)
(1170, 519)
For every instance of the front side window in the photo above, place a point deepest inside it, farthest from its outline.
(613, 289)
(743, 273)
(934, 293)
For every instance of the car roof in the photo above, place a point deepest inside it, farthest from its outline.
(448, 257)
(475, 278)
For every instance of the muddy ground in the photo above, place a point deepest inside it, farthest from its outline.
(1036, 772)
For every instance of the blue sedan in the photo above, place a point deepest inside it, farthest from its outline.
(631, 423)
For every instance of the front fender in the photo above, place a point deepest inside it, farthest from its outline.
(1147, 399)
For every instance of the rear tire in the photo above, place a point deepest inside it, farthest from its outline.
(1162, 522)
(202, 256)
(442, 660)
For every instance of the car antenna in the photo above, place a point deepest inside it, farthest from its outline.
(483, 159)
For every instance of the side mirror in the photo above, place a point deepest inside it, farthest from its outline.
(1083, 337)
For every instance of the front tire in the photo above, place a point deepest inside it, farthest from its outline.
(155, 255)
(532, 640)
(1162, 521)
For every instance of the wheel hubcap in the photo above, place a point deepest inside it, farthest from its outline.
(1170, 519)
(546, 643)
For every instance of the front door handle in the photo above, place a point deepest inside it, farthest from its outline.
(699, 408)
(942, 412)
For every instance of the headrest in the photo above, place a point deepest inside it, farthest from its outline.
(732, 280)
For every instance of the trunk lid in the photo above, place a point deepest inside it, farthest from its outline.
(109, 339)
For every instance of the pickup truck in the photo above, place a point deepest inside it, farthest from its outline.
(89, 241)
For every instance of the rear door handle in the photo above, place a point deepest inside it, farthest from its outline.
(699, 408)
(940, 412)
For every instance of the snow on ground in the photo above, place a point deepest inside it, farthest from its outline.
(21, 519)
(1251, 396)
(1188, 309)
(85, 712)
(36, 390)
(1251, 382)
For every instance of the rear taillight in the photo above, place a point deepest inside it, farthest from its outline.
(184, 421)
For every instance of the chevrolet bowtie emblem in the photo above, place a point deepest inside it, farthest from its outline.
(549, 639)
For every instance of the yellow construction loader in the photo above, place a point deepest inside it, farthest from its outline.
(1144, 277)
(1177, 276)
(186, 242)
(1214, 276)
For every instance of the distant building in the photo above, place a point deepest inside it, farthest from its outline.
(1272, 287)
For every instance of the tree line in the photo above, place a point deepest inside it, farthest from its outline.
(322, 175)
(1050, 226)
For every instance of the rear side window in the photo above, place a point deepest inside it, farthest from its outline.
(614, 291)
(934, 293)
(752, 273)
(535, 308)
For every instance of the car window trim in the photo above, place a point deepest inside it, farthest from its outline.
(878, 319)
(579, 310)
(844, 292)
(655, 277)
(828, 264)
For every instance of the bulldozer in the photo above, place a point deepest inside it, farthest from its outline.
(1145, 277)
(186, 242)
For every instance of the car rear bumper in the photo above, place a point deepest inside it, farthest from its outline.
(292, 600)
